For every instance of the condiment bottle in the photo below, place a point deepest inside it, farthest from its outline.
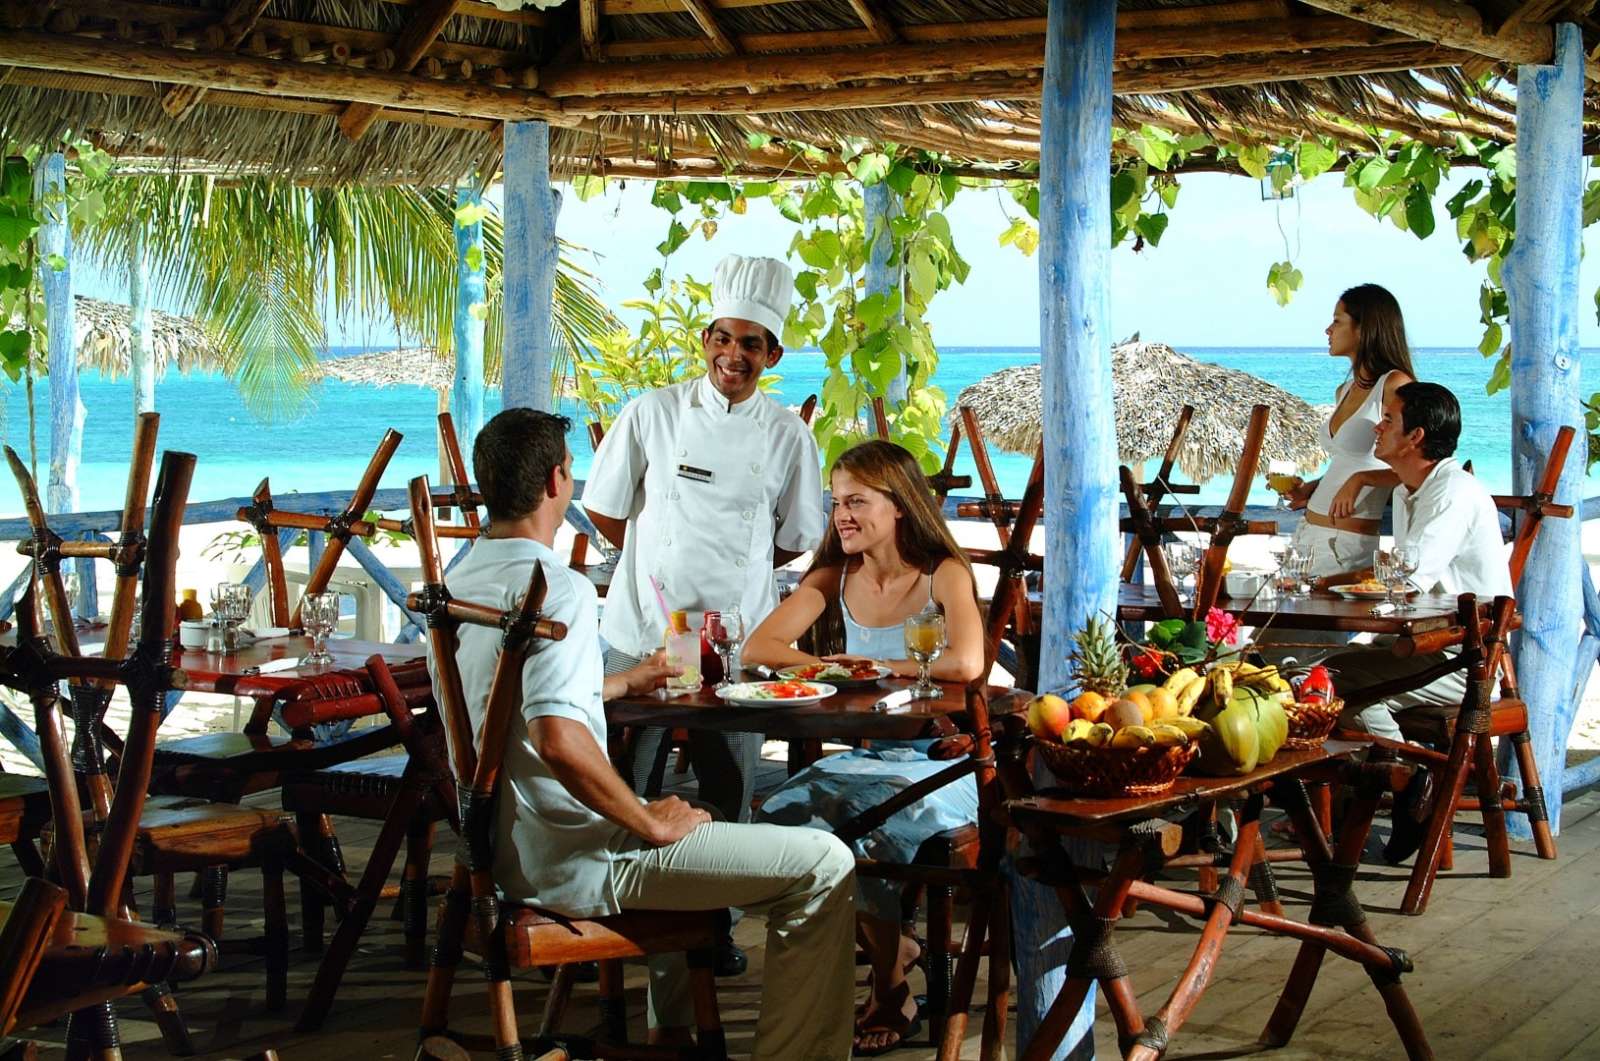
(190, 608)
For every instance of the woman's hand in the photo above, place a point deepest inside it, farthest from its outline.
(1344, 502)
(1301, 495)
(848, 657)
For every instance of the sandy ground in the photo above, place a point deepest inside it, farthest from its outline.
(205, 559)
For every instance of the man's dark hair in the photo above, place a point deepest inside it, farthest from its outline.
(1434, 409)
(513, 458)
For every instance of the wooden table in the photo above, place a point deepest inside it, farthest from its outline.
(1143, 829)
(235, 672)
(1320, 610)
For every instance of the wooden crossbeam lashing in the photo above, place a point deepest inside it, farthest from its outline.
(428, 19)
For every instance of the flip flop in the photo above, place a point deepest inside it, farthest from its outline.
(912, 1029)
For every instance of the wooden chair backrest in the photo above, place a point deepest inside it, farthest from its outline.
(597, 434)
(880, 418)
(476, 772)
(460, 481)
(1528, 511)
(23, 937)
(808, 409)
(1231, 523)
(1153, 492)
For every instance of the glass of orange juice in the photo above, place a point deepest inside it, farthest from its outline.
(925, 640)
(1282, 480)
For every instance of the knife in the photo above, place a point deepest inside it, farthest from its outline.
(898, 699)
(273, 666)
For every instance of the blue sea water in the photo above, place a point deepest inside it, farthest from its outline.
(327, 447)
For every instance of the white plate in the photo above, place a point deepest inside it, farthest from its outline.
(842, 683)
(748, 694)
(1352, 591)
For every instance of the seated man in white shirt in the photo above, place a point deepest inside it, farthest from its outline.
(574, 838)
(1451, 520)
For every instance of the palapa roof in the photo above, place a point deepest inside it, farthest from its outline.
(409, 366)
(1152, 382)
(416, 90)
(104, 332)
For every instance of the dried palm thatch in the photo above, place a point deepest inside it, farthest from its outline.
(1152, 382)
(410, 366)
(104, 332)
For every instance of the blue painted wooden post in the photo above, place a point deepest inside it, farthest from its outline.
(141, 355)
(884, 271)
(466, 396)
(1080, 513)
(66, 411)
(1541, 277)
(531, 252)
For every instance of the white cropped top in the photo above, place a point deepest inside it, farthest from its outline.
(1349, 452)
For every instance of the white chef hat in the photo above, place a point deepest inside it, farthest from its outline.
(753, 289)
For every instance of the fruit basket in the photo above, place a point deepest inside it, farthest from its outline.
(1310, 721)
(1112, 772)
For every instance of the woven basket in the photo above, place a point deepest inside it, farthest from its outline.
(1310, 722)
(1114, 772)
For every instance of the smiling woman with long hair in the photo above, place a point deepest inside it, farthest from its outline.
(886, 556)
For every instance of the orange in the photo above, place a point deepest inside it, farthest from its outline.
(1089, 705)
(1142, 701)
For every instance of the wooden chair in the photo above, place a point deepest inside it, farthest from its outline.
(509, 934)
(1156, 490)
(1223, 528)
(409, 792)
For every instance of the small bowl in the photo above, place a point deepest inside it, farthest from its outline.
(192, 633)
(1243, 585)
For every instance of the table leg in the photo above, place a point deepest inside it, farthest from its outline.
(1151, 1043)
(955, 1025)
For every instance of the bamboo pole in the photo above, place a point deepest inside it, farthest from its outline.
(1542, 285)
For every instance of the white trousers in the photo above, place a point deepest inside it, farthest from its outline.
(803, 882)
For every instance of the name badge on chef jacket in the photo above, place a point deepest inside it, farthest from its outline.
(699, 475)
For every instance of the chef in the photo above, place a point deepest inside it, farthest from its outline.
(708, 485)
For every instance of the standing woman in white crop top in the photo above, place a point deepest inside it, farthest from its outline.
(1343, 508)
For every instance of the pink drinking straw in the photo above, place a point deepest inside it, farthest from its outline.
(666, 615)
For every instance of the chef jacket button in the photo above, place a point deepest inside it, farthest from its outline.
(748, 515)
(683, 453)
(674, 495)
(739, 562)
(666, 541)
(755, 469)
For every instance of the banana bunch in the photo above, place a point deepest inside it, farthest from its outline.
(1251, 676)
(1185, 685)
(1082, 733)
(1219, 686)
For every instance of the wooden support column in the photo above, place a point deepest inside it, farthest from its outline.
(531, 252)
(1081, 554)
(884, 272)
(467, 394)
(1541, 277)
(66, 410)
(141, 356)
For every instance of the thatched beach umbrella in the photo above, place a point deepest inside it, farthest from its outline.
(1152, 383)
(417, 366)
(104, 333)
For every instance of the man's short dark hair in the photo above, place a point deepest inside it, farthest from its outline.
(1434, 409)
(513, 457)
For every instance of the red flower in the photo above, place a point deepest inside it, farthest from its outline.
(1220, 626)
(1148, 663)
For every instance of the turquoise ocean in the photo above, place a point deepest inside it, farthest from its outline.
(327, 446)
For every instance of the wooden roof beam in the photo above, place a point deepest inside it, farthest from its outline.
(700, 11)
(1456, 25)
(953, 59)
(589, 30)
(267, 77)
(229, 32)
(876, 22)
(427, 21)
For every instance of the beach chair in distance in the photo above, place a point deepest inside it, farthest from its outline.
(472, 916)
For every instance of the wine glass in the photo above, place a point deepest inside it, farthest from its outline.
(319, 613)
(1282, 480)
(1405, 559)
(725, 632)
(1384, 570)
(1183, 560)
(1294, 571)
(925, 640)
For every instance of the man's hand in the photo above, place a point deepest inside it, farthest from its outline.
(672, 819)
(644, 677)
(1344, 502)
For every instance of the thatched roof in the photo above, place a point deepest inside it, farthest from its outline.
(412, 366)
(394, 90)
(1152, 382)
(104, 336)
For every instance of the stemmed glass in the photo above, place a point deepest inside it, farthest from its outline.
(230, 606)
(319, 613)
(725, 632)
(1281, 480)
(1295, 571)
(1404, 560)
(1183, 560)
(1385, 570)
(925, 640)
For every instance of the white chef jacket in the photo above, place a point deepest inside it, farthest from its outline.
(551, 850)
(707, 489)
(1452, 521)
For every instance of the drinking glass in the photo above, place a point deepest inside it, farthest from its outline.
(1405, 559)
(925, 640)
(725, 632)
(683, 651)
(1383, 569)
(1282, 480)
(1295, 571)
(1183, 560)
(319, 613)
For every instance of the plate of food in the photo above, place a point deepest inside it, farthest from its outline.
(846, 675)
(764, 694)
(1369, 589)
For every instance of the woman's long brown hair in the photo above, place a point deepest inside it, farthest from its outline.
(921, 535)
(1382, 345)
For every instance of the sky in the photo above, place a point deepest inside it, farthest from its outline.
(1205, 285)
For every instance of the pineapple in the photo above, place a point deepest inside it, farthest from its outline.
(1097, 660)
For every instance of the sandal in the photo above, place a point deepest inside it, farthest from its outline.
(897, 1037)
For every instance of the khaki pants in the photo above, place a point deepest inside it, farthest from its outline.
(803, 882)
(1354, 671)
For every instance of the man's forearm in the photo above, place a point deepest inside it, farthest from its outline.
(615, 530)
(580, 764)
